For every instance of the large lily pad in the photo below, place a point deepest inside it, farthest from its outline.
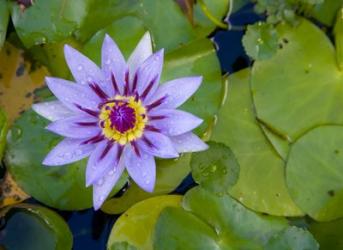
(61, 187)
(261, 183)
(169, 174)
(315, 173)
(212, 222)
(293, 94)
(48, 21)
(136, 226)
(38, 228)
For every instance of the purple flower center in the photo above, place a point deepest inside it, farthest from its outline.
(122, 117)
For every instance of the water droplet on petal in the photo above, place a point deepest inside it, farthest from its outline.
(79, 68)
(108, 61)
(100, 182)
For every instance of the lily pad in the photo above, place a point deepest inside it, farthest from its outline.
(4, 18)
(38, 228)
(224, 224)
(327, 11)
(61, 187)
(169, 175)
(215, 169)
(48, 21)
(338, 31)
(280, 144)
(293, 94)
(136, 226)
(328, 234)
(260, 166)
(315, 173)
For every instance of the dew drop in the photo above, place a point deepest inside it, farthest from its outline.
(79, 68)
(100, 182)
(111, 173)
(108, 61)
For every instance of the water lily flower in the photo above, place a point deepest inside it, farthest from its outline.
(119, 116)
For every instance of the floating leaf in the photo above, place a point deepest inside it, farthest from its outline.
(260, 167)
(38, 228)
(314, 172)
(18, 79)
(48, 21)
(136, 225)
(4, 18)
(260, 41)
(60, 187)
(212, 222)
(121, 246)
(339, 38)
(280, 144)
(187, 8)
(169, 175)
(215, 169)
(292, 238)
(327, 11)
(328, 234)
(293, 94)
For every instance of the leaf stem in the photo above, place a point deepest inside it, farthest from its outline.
(209, 15)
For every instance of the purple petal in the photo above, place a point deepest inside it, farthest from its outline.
(73, 95)
(104, 186)
(79, 126)
(148, 75)
(113, 62)
(188, 142)
(103, 159)
(83, 69)
(53, 110)
(176, 91)
(158, 145)
(68, 151)
(140, 54)
(173, 122)
(142, 168)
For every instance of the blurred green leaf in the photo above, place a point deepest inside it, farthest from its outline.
(136, 226)
(215, 169)
(293, 93)
(212, 222)
(121, 246)
(328, 234)
(338, 31)
(292, 238)
(260, 41)
(61, 187)
(4, 18)
(314, 172)
(3, 131)
(326, 11)
(260, 167)
(32, 227)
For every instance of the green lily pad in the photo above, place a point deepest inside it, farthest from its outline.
(121, 246)
(3, 132)
(136, 225)
(339, 38)
(260, 41)
(212, 222)
(328, 234)
(315, 173)
(4, 18)
(32, 227)
(169, 174)
(293, 94)
(215, 169)
(292, 238)
(48, 21)
(327, 11)
(280, 144)
(61, 187)
(260, 167)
